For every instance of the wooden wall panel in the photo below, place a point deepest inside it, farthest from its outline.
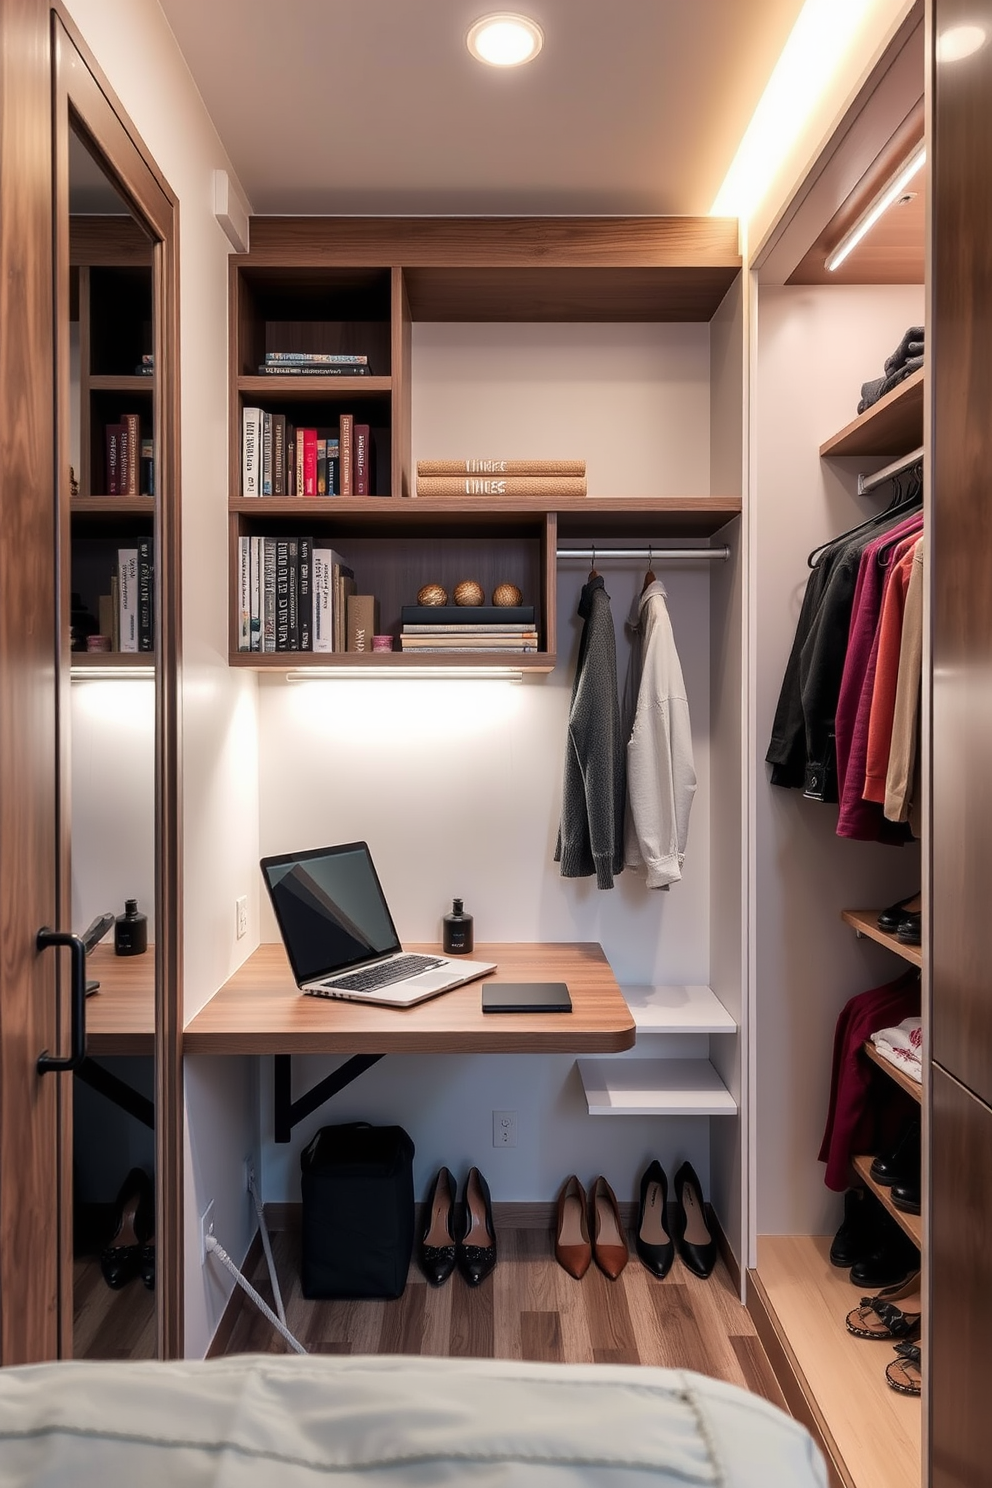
(961, 1285)
(960, 345)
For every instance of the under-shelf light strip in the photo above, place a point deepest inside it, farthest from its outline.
(414, 673)
(881, 204)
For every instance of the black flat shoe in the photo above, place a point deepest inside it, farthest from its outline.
(890, 917)
(906, 1196)
(909, 929)
(693, 1241)
(652, 1241)
(436, 1248)
(892, 1259)
(476, 1250)
(120, 1260)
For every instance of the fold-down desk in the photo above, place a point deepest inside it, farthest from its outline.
(260, 1010)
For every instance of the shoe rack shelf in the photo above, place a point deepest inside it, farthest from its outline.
(892, 426)
(865, 922)
(911, 1224)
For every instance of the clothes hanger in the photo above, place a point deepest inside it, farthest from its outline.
(649, 577)
(902, 505)
(593, 572)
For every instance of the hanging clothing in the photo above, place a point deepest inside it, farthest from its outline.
(590, 836)
(856, 1123)
(661, 777)
(883, 697)
(901, 780)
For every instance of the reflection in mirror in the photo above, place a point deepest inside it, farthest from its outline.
(112, 751)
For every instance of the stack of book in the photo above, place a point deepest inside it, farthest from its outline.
(127, 613)
(314, 364)
(555, 478)
(280, 459)
(475, 628)
(125, 450)
(293, 595)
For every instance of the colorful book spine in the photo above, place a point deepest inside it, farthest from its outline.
(501, 467)
(251, 454)
(309, 462)
(317, 358)
(278, 454)
(346, 446)
(266, 454)
(255, 606)
(310, 369)
(333, 468)
(556, 486)
(130, 454)
(305, 594)
(113, 458)
(244, 593)
(363, 460)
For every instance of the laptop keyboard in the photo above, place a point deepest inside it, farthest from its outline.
(384, 975)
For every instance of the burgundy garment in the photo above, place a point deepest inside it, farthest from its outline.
(865, 612)
(857, 1121)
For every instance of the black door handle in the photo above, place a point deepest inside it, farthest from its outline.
(46, 1061)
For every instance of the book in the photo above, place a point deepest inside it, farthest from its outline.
(323, 561)
(466, 614)
(251, 419)
(278, 454)
(363, 620)
(127, 597)
(255, 605)
(333, 468)
(316, 358)
(343, 586)
(364, 461)
(293, 593)
(469, 629)
(311, 369)
(305, 594)
(268, 594)
(244, 593)
(146, 589)
(282, 593)
(463, 638)
(130, 453)
(105, 610)
(346, 431)
(112, 436)
(290, 459)
(115, 611)
(469, 647)
(559, 486)
(266, 473)
(147, 481)
(321, 464)
(501, 467)
(309, 487)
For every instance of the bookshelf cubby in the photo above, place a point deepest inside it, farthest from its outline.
(356, 286)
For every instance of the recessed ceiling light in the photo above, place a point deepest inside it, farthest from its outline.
(959, 42)
(505, 39)
(891, 193)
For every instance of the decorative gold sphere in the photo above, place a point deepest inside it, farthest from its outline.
(468, 592)
(507, 594)
(432, 594)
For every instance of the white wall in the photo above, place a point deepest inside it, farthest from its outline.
(135, 48)
(456, 786)
(816, 346)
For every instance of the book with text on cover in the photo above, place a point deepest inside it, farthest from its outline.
(501, 467)
(557, 486)
(363, 617)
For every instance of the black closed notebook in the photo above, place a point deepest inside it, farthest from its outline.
(467, 615)
(525, 997)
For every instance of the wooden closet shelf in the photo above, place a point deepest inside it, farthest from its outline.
(892, 426)
(894, 1072)
(865, 922)
(912, 1224)
(295, 386)
(392, 661)
(112, 506)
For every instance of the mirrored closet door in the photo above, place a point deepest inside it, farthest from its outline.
(117, 587)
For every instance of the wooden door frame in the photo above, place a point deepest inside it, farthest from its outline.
(82, 93)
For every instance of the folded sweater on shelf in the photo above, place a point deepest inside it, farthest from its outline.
(902, 1046)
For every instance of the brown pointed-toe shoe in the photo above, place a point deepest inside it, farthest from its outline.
(609, 1243)
(573, 1250)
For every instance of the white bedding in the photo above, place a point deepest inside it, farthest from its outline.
(385, 1422)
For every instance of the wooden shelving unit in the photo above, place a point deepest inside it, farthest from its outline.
(912, 1224)
(356, 286)
(865, 922)
(894, 1072)
(892, 426)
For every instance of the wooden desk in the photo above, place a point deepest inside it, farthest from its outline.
(260, 1010)
(120, 1017)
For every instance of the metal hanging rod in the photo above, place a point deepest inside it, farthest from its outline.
(869, 482)
(645, 554)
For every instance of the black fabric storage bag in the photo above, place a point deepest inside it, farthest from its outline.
(358, 1214)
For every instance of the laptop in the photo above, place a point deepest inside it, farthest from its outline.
(339, 934)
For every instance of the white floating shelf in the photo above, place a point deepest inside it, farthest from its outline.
(654, 1087)
(678, 1010)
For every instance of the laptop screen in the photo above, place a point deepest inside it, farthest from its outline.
(331, 910)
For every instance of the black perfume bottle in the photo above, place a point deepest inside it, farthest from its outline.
(456, 934)
(131, 930)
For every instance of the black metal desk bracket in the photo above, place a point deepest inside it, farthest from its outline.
(97, 1078)
(288, 1112)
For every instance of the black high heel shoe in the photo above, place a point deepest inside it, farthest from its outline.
(693, 1241)
(436, 1250)
(654, 1245)
(476, 1251)
(120, 1261)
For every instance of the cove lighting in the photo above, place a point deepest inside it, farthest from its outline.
(505, 39)
(881, 204)
(383, 673)
(958, 42)
(111, 673)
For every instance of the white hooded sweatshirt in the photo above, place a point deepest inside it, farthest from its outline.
(661, 777)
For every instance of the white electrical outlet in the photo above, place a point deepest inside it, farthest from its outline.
(206, 1228)
(504, 1128)
(241, 913)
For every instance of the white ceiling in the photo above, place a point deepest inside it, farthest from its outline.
(375, 106)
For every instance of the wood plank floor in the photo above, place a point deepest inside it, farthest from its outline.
(108, 1324)
(529, 1308)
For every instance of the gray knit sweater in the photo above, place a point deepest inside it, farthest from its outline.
(590, 837)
